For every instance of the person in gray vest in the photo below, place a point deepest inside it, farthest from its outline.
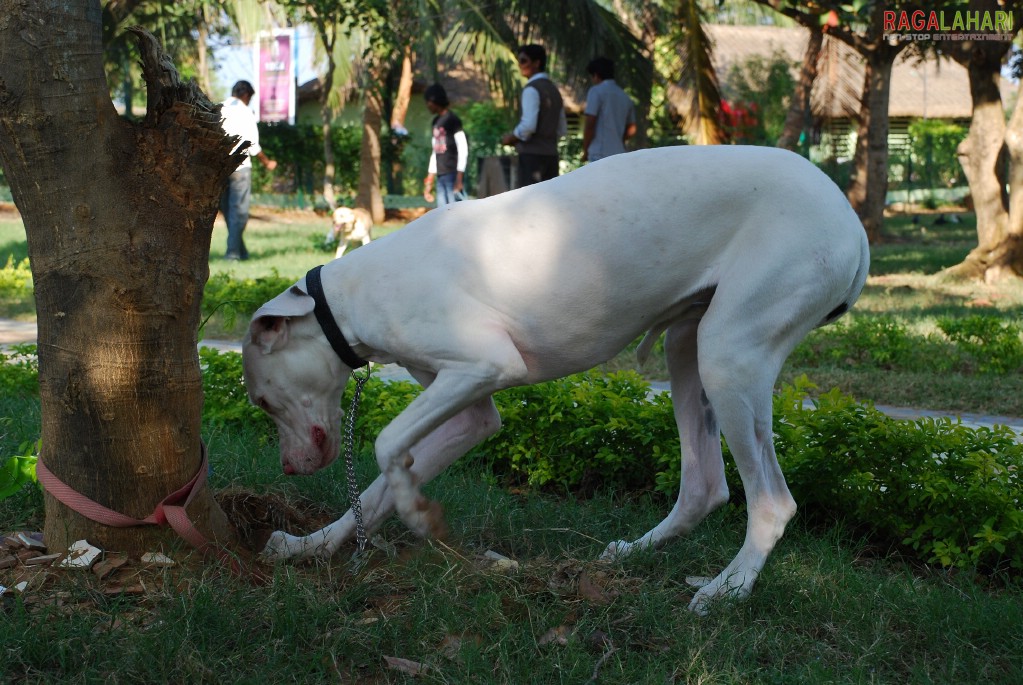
(610, 114)
(543, 120)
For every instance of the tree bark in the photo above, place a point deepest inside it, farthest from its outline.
(369, 195)
(118, 217)
(799, 108)
(991, 157)
(869, 185)
(1014, 146)
(403, 97)
(328, 37)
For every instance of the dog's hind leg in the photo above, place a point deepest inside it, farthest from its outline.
(431, 455)
(743, 342)
(703, 487)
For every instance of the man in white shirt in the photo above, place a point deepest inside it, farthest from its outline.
(543, 120)
(239, 120)
(610, 114)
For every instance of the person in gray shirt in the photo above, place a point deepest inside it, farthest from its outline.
(610, 114)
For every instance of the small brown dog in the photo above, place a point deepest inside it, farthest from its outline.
(349, 224)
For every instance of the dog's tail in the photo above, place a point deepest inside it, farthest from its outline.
(695, 311)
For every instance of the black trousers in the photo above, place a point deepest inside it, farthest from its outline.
(536, 168)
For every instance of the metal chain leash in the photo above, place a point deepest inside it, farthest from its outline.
(353, 488)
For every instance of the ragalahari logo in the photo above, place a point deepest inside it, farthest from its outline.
(940, 25)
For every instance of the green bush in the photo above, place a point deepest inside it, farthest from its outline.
(20, 370)
(298, 150)
(978, 344)
(869, 342)
(946, 492)
(19, 470)
(585, 430)
(16, 279)
(950, 493)
(225, 400)
(992, 345)
(933, 145)
(484, 124)
(229, 297)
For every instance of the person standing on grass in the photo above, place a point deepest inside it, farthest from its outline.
(543, 120)
(450, 152)
(240, 120)
(610, 113)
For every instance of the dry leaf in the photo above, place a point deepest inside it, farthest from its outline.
(591, 591)
(104, 568)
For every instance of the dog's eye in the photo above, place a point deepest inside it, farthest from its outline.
(263, 404)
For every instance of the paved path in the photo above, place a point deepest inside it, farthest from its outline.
(13, 332)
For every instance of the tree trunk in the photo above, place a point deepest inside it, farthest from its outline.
(984, 155)
(328, 37)
(799, 108)
(869, 185)
(202, 49)
(404, 95)
(329, 166)
(118, 217)
(1014, 146)
(369, 196)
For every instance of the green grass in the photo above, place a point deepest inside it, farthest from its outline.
(829, 607)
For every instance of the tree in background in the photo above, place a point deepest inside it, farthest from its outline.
(762, 86)
(798, 116)
(860, 25)
(185, 30)
(984, 153)
(339, 44)
(118, 216)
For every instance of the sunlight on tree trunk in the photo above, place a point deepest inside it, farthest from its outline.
(118, 217)
(403, 97)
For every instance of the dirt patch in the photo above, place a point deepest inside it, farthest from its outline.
(255, 517)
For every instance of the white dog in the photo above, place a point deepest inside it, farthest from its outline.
(735, 252)
(349, 224)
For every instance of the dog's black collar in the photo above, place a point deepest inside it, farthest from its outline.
(327, 322)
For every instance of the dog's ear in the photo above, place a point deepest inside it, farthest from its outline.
(269, 333)
(269, 326)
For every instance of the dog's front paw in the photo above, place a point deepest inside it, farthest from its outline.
(616, 550)
(282, 546)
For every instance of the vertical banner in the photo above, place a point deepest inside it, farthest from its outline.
(275, 92)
